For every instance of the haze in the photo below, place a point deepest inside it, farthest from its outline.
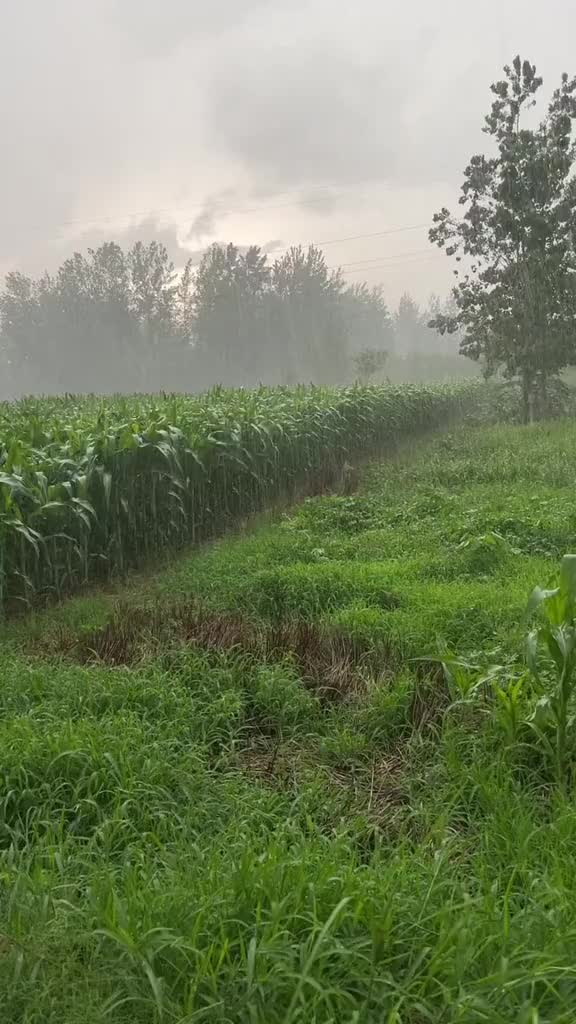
(258, 121)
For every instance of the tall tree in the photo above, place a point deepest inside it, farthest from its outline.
(228, 295)
(8, 383)
(516, 299)
(107, 320)
(442, 344)
(159, 304)
(368, 319)
(409, 328)
(311, 318)
(111, 319)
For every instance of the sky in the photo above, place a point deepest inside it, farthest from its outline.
(273, 122)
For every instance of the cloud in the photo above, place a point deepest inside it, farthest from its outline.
(160, 28)
(314, 112)
(31, 212)
(205, 222)
(52, 253)
(147, 230)
(130, 105)
(368, 91)
(213, 209)
(294, 124)
(320, 203)
(269, 248)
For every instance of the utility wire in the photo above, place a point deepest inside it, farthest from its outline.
(389, 266)
(304, 191)
(275, 253)
(386, 258)
(353, 238)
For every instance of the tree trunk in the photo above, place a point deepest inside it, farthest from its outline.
(526, 398)
(543, 394)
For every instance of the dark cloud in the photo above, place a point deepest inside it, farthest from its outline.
(205, 222)
(309, 117)
(132, 105)
(159, 28)
(321, 203)
(270, 247)
(213, 209)
(380, 95)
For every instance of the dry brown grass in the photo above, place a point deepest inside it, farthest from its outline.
(377, 790)
(332, 663)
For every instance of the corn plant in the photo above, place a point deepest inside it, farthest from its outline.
(551, 659)
(89, 486)
(535, 698)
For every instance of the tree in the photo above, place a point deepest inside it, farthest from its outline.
(411, 332)
(228, 297)
(7, 386)
(107, 320)
(368, 319)
(116, 320)
(368, 362)
(310, 317)
(516, 299)
(447, 344)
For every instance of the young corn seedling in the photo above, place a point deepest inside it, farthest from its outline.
(549, 674)
(551, 660)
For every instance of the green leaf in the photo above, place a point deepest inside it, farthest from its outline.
(538, 597)
(568, 576)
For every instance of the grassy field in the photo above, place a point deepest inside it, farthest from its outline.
(231, 794)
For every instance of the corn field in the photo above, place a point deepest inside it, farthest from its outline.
(91, 487)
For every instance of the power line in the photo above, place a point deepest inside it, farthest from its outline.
(354, 238)
(378, 259)
(390, 265)
(200, 205)
(367, 264)
(275, 253)
(221, 212)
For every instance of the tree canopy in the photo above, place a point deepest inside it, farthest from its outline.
(112, 319)
(106, 320)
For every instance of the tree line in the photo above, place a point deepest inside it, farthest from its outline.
(126, 320)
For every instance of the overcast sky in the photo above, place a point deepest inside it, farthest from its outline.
(266, 121)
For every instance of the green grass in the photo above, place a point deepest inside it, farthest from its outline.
(206, 835)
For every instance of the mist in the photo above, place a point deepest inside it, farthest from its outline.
(261, 125)
(234, 316)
